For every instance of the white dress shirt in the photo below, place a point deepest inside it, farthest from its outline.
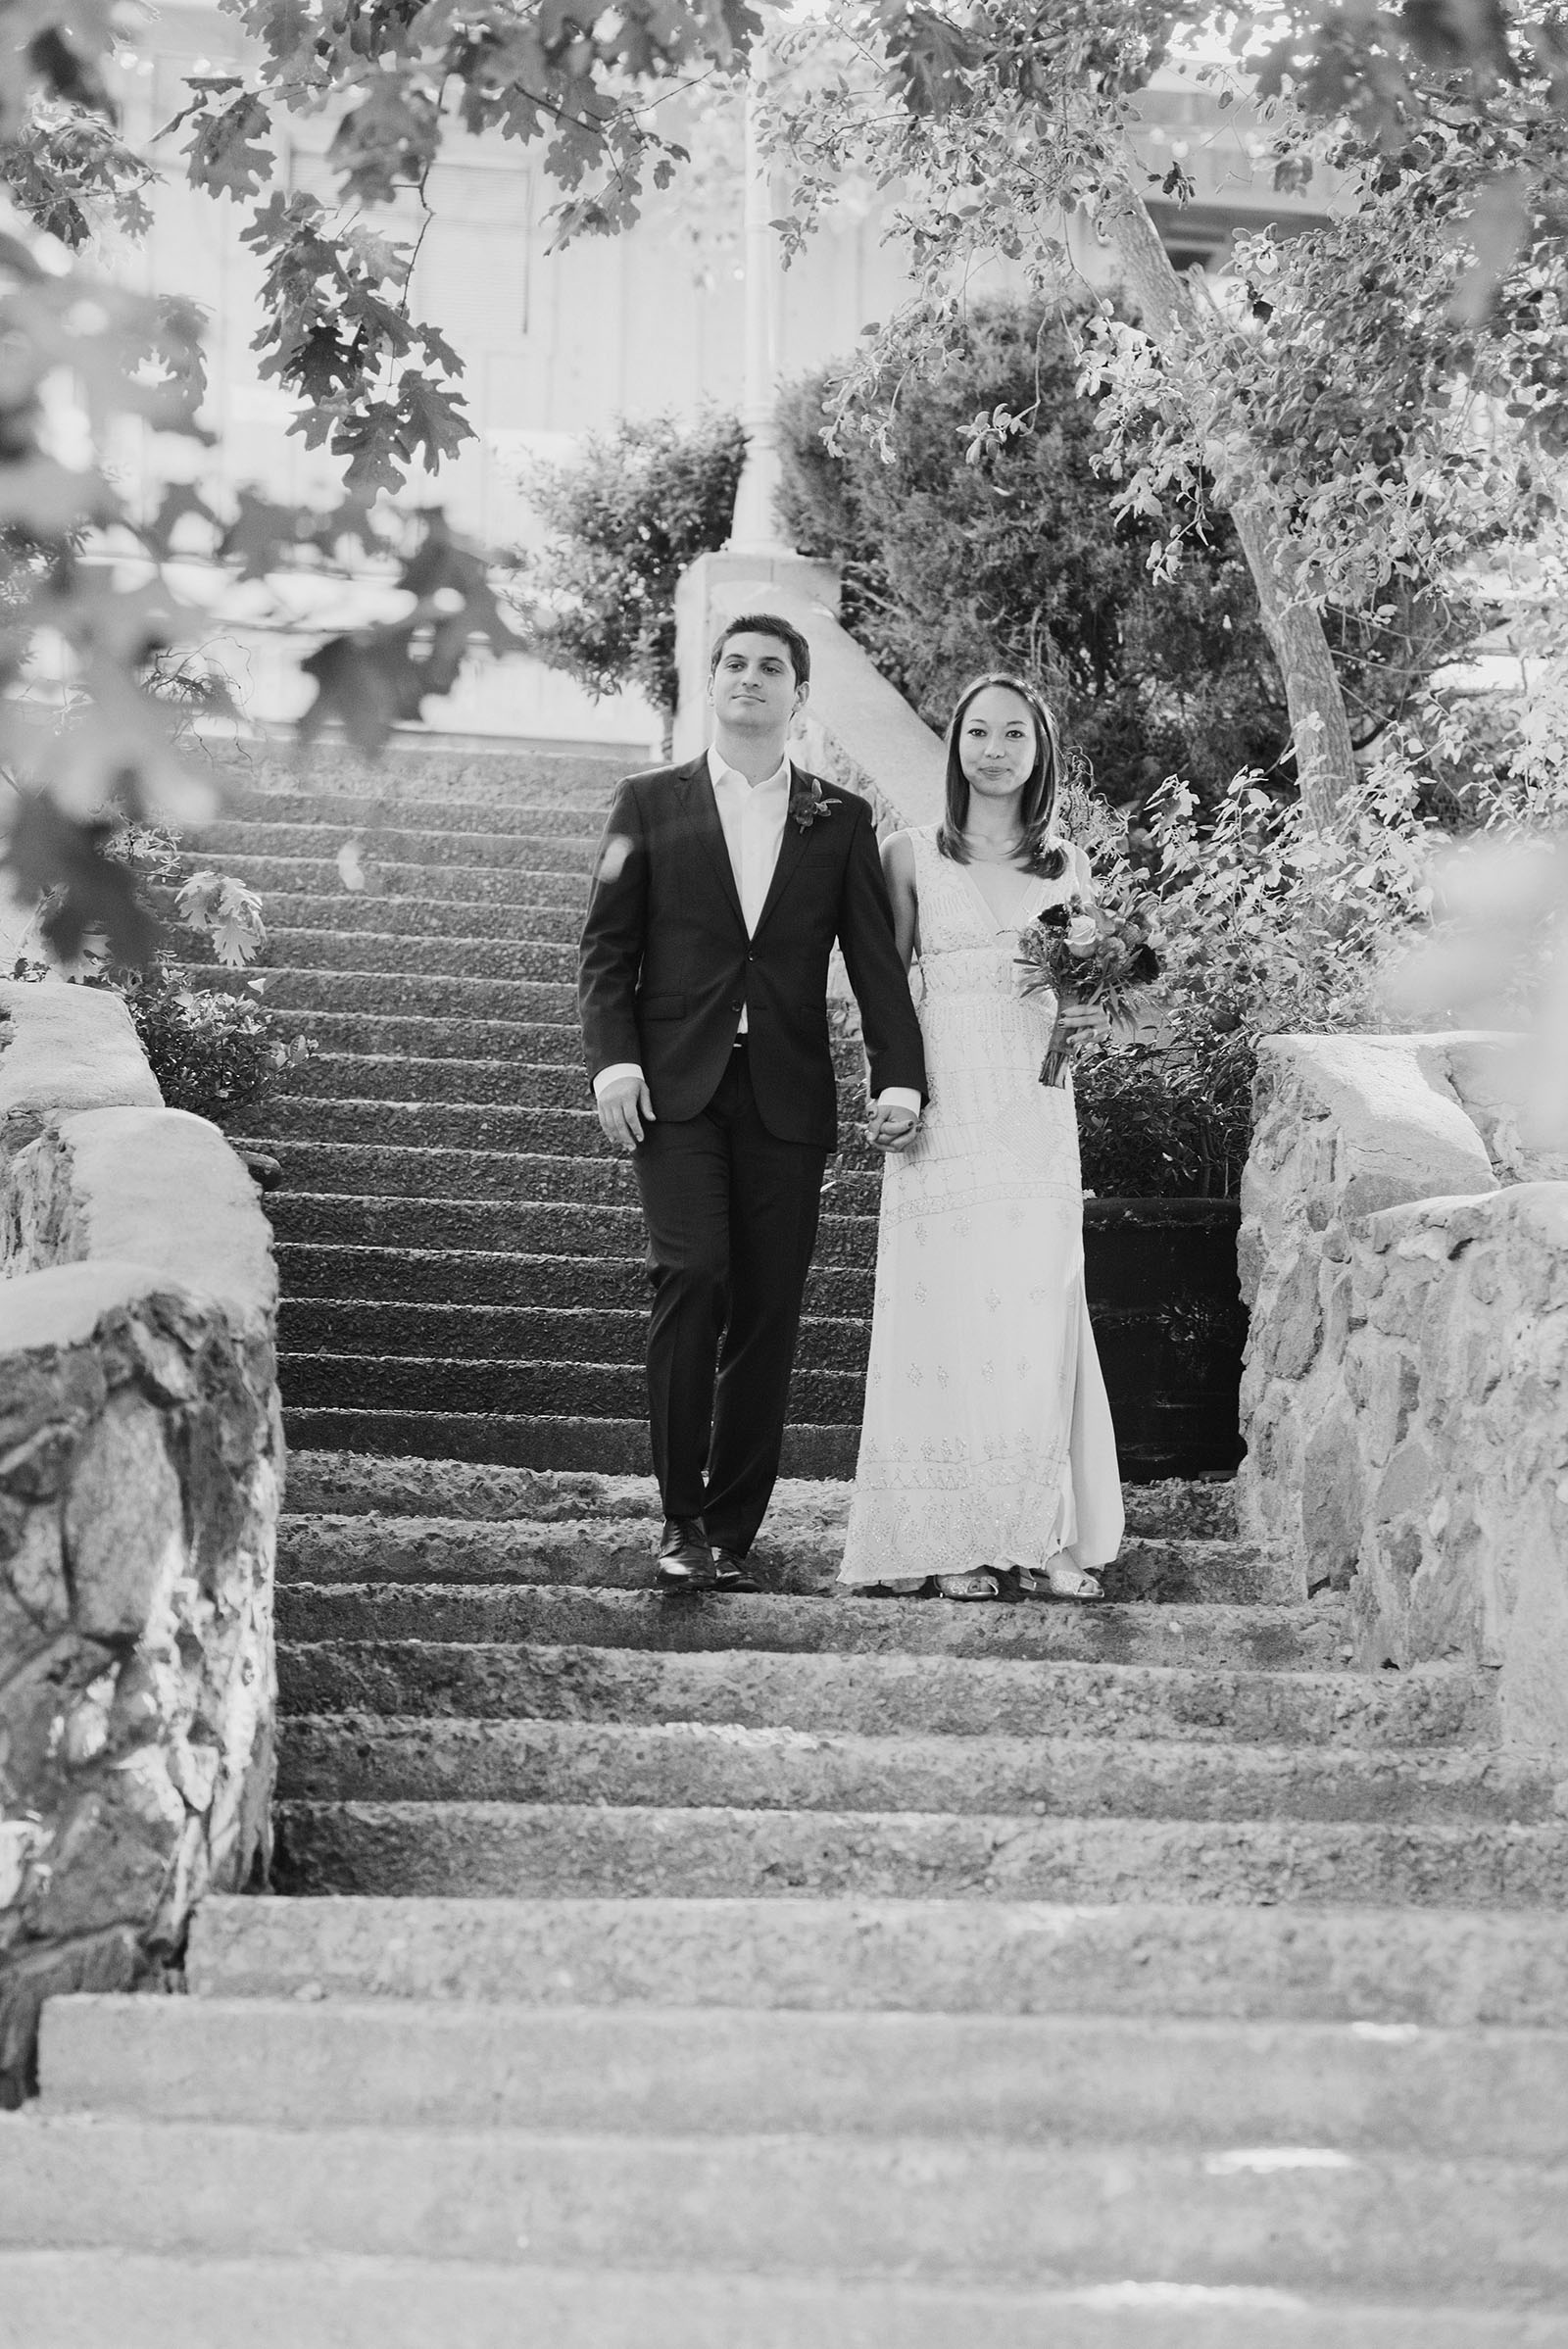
(752, 816)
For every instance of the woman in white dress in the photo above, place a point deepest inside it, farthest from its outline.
(987, 1450)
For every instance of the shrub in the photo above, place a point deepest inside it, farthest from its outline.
(1270, 929)
(626, 514)
(213, 1054)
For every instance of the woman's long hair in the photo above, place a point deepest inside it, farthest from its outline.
(1038, 807)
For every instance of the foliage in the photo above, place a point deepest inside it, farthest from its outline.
(627, 513)
(1018, 561)
(1272, 928)
(86, 591)
(213, 1053)
(376, 387)
(1393, 419)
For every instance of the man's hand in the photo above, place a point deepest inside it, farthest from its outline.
(890, 1126)
(624, 1109)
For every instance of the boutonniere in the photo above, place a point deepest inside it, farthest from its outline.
(807, 806)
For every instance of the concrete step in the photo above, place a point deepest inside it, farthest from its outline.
(541, 1227)
(419, 766)
(540, 1441)
(506, 884)
(427, 1037)
(379, 1170)
(555, 912)
(82, 2300)
(1277, 1639)
(396, 993)
(396, 1077)
(546, 1851)
(591, 1389)
(526, 1333)
(1374, 1967)
(685, 1765)
(878, 1695)
(345, 1484)
(549, 810)
(528, 1044)
(524, 956)
(296, 1118)
(910, 2207)
(570, 1128)
(416, 833)
(607, 1552)
(1025, 2079)
(476, 1277)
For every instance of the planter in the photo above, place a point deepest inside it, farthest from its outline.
(1170, 1326)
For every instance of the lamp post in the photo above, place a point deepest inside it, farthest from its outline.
(754, 530)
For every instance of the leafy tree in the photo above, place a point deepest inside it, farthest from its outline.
(1016, 559)
(627, 515)
(998, 125)
(86, 599)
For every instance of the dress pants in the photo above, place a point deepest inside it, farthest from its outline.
(731, 1214)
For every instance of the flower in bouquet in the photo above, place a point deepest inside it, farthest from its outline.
(1103, 956)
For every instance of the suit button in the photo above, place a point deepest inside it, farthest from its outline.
(736, 1005)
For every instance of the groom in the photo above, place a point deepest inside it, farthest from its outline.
(719, 889)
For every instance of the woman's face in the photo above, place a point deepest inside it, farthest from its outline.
(997, 742)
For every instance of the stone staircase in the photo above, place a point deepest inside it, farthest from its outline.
(754, 1973)
(738, 1973)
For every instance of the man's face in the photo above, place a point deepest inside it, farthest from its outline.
(754, 689)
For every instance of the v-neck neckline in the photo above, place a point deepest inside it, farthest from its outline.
(995, 927)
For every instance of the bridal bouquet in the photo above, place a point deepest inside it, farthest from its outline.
(1101, 953)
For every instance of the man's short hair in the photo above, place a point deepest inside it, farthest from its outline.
(767, 623)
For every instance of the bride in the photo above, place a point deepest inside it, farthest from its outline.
(987, 1449)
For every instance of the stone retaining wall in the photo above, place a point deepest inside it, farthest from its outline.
(1405, 1395)
(140, 1473)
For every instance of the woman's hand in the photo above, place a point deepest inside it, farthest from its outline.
(1084, 1020)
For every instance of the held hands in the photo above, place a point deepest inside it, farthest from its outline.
(623, 1110)
(890, 1126)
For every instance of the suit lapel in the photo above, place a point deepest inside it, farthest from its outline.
(701, 810)
(791, 848)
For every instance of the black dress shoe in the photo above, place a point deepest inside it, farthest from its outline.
(685, 1561)
(731, 1572)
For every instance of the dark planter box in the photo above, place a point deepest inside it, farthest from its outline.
(1170, 1327)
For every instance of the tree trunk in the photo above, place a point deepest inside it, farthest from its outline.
(1325, 758)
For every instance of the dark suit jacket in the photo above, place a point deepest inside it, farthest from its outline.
(665, 963)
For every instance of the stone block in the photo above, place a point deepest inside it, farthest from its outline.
(68, 1047)
(110, 1960)
(1332, 1499)
(123, 1522)
(1407, 1484)
(108, 1865)
(126, 1167)
(1398, 1136)
(36, 1570)
(1294, 1319)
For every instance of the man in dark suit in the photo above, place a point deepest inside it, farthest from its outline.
(720, 890)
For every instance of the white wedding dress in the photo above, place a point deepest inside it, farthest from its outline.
(987, 1438)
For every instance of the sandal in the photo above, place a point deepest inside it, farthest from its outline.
(978, 1585)
(1061, 1579)
(917, 1587)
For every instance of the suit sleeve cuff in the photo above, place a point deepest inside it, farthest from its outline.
(613, 1075)
(898, 1097)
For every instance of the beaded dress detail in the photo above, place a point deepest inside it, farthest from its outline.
(987, 1438)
